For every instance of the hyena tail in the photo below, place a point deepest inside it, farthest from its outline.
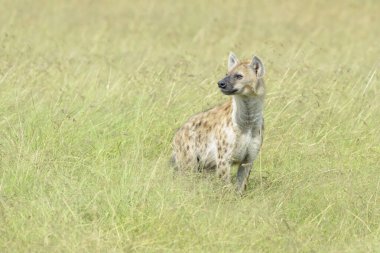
(173, 162)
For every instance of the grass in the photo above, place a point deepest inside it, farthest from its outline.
(91, 93)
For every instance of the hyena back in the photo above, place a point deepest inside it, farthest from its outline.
(231, 133)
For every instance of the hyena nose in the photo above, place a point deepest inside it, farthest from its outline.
(222, 84)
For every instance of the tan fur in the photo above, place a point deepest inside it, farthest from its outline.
(230, 133)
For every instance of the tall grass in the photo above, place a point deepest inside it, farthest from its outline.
(91, 93)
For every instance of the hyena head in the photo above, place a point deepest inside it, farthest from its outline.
(243, 78)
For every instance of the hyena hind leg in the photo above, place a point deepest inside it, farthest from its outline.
(182, 163)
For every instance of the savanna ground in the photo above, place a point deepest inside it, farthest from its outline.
(91, 93)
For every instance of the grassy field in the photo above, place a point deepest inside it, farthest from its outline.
(91, 93)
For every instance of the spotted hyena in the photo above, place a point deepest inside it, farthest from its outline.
(231, 133)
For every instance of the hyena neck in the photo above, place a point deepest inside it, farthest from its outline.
(247, 112)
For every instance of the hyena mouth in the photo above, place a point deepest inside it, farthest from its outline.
(228, 91)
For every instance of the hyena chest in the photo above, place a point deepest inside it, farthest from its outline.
(232, 145)
(242, 146)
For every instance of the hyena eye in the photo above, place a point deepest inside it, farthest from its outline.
(238, 76)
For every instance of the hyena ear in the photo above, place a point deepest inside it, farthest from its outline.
(232, 61)
(258, 67)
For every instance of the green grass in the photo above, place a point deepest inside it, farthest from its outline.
(91, 93)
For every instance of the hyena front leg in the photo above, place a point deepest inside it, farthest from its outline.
(223, 170)
(243, 175)
(223, 163)
(246, 166)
